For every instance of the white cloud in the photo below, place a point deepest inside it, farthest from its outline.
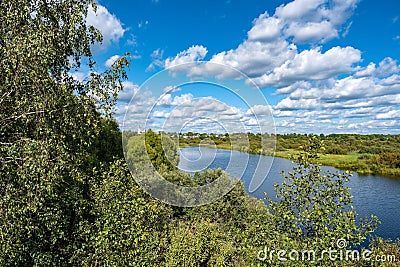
(109, 25)
(312, 65)
(79, 76)
(349, 92)
(174, 113)
(373, 124)
(367, 71)
(297, 9)
(256, 58)
(284, 113)
(112, 60)
(141, 24)
(182, 100)
(265, 28)
(294, 86)
(157, 59)
(350, 100)
(393, 80)
(192, 54)
(387, 66)
(165, 100)
(298, 104)
(132, 40)
(252, 122)
(260, 110)
(392, 114)
(168, 100)
(171, 89)
(270, 56)
(160, 114)
(202, 113)
(310, 21)
(347, 29)
(130, 90)
(312, 32)
(323, 88)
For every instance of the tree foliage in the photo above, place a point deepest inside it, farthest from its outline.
(52, 129)
(130, 227)
(314, 207)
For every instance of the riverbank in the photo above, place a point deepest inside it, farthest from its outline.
(357, 162)
(376, 195)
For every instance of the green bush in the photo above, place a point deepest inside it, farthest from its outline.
(314, 208)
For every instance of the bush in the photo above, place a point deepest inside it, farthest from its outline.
(336, 150)
(314, 208)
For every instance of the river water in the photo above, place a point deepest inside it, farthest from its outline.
(372, 194)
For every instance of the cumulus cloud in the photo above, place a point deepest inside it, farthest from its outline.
(257, 58)
(342, 92)
(312, 65)
(109, 25)
(310, 21)
(373, 124)
(265, 28)
(168, 100)
(312, 31)
(130, 90)
(184, 111)
(297, 104)
(112, 60)
(366, 71)
(192, 54)
(260, 110)
(270, 55)
(392, 114)
(201, 114)
(350, 99)
(322, 88)
(298, 9)
(387, 66)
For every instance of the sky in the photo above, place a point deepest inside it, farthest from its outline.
(303, 66)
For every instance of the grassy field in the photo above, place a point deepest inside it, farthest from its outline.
(353, 161)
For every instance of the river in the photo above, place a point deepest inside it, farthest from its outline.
(372, 194)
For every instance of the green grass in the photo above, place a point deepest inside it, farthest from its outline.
(349, 161)
(287, 154)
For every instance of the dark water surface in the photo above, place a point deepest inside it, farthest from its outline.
(372, 194)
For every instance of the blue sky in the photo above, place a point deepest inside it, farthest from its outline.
(324, 66)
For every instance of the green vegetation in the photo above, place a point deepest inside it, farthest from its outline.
(365, 154)
(313, 212)
(67, 197)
